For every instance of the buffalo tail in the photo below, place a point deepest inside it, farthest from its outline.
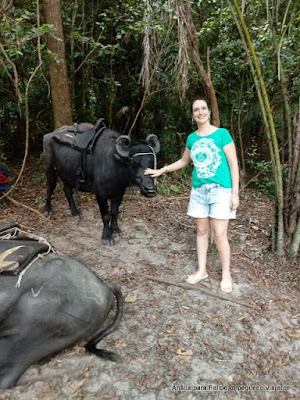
(91, 345)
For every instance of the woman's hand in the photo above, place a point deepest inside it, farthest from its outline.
(154, 173)
(234, 201)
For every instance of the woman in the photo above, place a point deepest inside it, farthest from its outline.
(215, 192)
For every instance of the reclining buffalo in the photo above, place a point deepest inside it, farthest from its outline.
(53, 303)
(100, 161)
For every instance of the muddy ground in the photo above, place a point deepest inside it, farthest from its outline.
(175, 343)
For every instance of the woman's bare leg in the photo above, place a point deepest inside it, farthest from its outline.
(219, 227)
(203, 229)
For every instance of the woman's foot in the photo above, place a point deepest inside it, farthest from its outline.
(226, 286)
(196, 277)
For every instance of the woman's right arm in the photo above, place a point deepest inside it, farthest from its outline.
(183, 162)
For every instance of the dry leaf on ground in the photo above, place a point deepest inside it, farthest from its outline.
(131, 297)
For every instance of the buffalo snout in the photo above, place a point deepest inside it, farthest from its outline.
(150, 194)
(148, 189)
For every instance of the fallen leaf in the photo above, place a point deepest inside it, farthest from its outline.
(205, 340)
(86, 374)
(162, 343)
(225, 330)
(266, 282)
(120, 344)
(184, 352)
(294, 335)
(284, 325)
(225, 345)
(77, 386)
(255, 357)
(223, 382)
(172, 330)
(258, 283)
(131, 297)
(184, 359)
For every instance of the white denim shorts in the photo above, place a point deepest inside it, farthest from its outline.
(211, 200)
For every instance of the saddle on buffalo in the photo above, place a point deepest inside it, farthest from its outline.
(18, 249)
(81, 136)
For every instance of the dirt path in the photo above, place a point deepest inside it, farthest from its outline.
(174, 343)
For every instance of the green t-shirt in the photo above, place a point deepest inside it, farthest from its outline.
(209, 159)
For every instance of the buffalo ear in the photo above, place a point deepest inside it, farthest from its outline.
(122, 145)
(153, 141)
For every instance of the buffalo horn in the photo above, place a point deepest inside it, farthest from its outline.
(122, 145)
(153, 141)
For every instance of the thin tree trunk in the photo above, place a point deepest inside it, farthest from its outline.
(294, 249)
(293, 199)
(242, 154)
(288, 120)
(72, 49)
(292, 183)
(205, 76)
(60, 90)
(276, 155)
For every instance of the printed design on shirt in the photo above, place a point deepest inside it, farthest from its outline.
(206, 158)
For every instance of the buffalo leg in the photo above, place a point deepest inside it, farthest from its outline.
(8, 376)
(51, 185)
(105, 214)
(115, 204)
(21, 351)
(69, 195)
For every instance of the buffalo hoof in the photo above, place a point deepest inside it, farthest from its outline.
(47, 212)
(76, 214)
(116, 232)
(108, 241)
(116, 239)
(116, 235)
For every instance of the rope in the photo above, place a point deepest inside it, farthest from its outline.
(13, 234)
(144, 154)
(15, 231)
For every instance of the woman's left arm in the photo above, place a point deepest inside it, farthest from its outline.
(231, 156)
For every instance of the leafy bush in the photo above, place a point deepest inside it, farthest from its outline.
(263, 174)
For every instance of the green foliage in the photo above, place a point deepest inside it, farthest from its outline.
(263, 178)
(38, 173)
(3, 157)
(167, 187)
(17, 32)
(18, 59)
(38, 177)
(3, 203)
(175, 183)
(104, 54)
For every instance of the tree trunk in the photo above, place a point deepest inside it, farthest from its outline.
(60, 90)
(294, 249)
(205, 76)
(270, 126)
(292, 205)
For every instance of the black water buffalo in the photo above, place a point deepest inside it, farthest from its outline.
(112, 165)
(56, 303)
